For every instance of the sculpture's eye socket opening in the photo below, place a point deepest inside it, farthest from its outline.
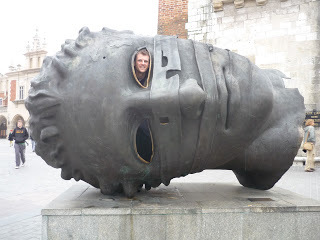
(144, 142)
(141, 64)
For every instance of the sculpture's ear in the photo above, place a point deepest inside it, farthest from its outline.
(146, 85)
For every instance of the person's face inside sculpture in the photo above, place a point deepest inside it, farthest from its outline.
(19, 124)
(141, 65)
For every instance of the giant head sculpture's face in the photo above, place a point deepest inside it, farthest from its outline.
(92, 118)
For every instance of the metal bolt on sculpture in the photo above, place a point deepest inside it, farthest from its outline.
(204, 108)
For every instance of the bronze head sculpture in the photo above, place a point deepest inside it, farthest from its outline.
(203, 108)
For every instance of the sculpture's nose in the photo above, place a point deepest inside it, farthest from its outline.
(141, 101)
(192, 99)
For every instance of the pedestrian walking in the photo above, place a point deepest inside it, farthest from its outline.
(310, 139)
(20, 135)
(10, 138)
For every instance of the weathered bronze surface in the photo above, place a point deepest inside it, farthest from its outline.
(206, 108)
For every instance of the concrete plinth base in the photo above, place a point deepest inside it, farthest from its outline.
(182, 211)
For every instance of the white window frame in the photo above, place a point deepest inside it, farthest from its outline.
(21, 92)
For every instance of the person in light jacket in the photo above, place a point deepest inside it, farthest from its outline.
(309, 136)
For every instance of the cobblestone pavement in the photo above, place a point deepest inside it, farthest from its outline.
(25, 191)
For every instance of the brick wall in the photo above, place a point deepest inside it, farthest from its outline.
(172, 17)
(13, 90)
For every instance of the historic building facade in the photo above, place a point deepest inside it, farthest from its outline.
(280, 34)
(14, 87)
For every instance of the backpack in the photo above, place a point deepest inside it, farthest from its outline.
(10, 138)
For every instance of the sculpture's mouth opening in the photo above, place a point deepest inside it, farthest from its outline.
(143, 142)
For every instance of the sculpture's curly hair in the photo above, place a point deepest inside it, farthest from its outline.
(45, 100)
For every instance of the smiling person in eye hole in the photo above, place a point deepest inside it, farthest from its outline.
(141, 65)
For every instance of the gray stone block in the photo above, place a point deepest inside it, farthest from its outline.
(182, 211)
(221, 226)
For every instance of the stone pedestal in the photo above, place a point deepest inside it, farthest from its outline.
(182, 211)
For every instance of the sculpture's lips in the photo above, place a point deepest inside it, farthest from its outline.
(164, 95)
(225, 98)
(229, 94)
(211, 112)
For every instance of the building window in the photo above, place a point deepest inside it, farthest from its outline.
(39, 61)
(1, 102)
(30, 62)
(21, 92)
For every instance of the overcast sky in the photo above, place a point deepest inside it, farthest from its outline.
(58, 20)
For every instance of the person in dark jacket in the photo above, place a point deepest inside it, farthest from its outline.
(20, 135)
(10, 138)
